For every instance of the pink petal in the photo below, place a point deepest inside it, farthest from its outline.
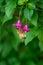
(13, 24)
(18, 21)
(25, 28)
(18, 24)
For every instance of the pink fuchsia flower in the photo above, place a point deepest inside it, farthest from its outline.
(18, 24)
(25, 28)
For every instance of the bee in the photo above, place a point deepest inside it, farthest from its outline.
(21, 33)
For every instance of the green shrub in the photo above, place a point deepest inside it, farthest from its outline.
(13, 49)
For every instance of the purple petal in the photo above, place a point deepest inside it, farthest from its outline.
(25, 28)
(18, 24)
(13, 24)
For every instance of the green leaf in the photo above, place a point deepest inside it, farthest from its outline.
(2, 63)
(1, 1)
(40, 34)
(12, 60)
(28, 13)
(41, 46)
(1, 46)
(30, 63)
(3, 33)
(34, 19)
(34, 1)
(10, 8)
(6, 49)
(31, 35)
(21, 2)
(15, 34)
(31, 5)
(40, 62)
(17, 63)
(5, 19)
(40, 4)
(16, 39)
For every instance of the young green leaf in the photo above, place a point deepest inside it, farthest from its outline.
(28, 13)
(10, 8)
(34, 19)
(21, 2)
(41, 46)
(40, 34)
(31, 35)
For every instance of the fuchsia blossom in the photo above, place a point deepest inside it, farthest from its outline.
(23, 28)
(18, 24)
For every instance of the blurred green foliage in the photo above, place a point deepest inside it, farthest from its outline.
(16, 51)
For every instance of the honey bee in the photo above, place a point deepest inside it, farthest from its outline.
(21, 33)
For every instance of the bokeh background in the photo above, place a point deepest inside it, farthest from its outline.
(16, 51)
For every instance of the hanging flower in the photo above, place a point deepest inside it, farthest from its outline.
(18, 24)
(22, 27)
(25, 28)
